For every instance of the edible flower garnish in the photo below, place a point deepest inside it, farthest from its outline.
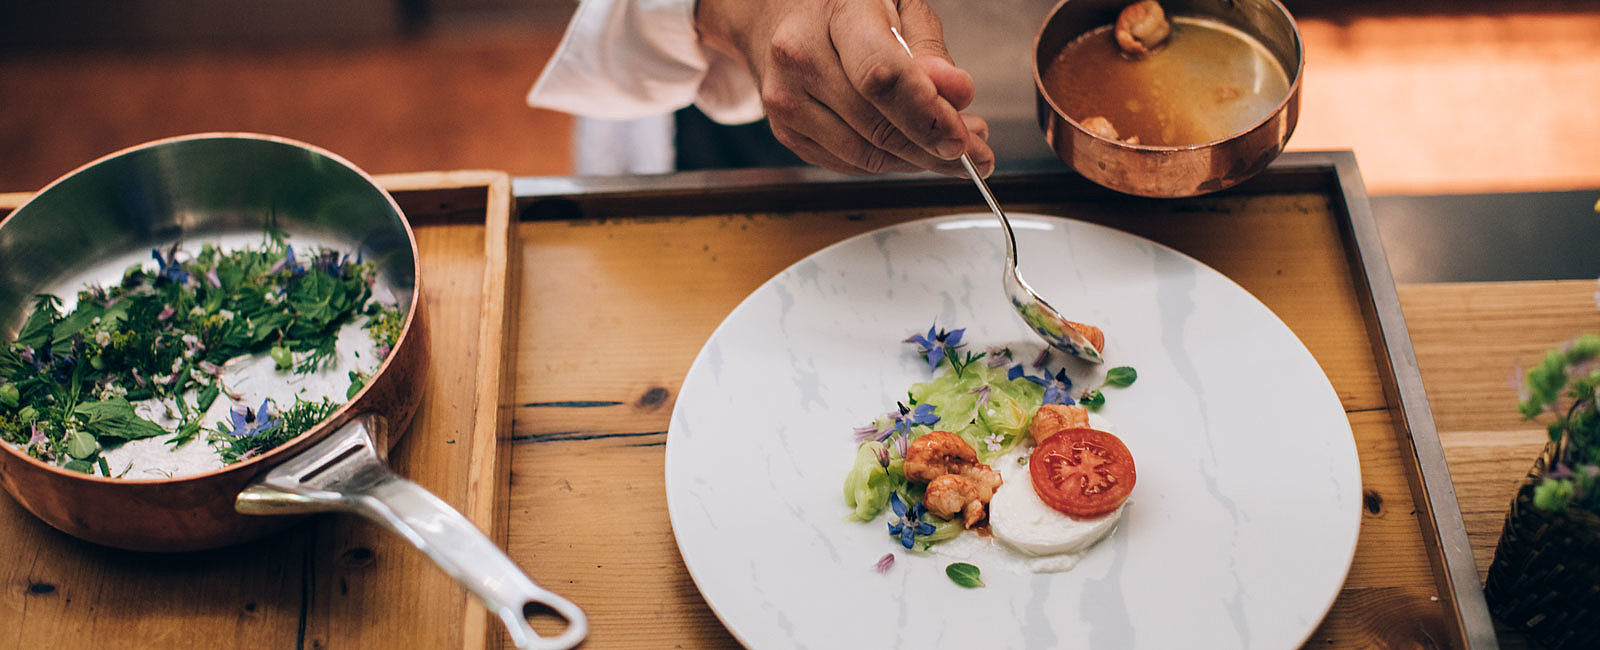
(170, 269)
(999, 355)
(884, 563)
(907, 417)
(1057, 389)
(868, 432)
(937, 344)
(247, 424)
(910, 523)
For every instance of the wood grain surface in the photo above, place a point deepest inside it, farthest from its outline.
(588, 506)
(328, 582)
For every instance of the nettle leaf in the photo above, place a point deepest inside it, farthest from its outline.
(964, 574)
(77, 322)
(1122, 376)
(115, 418)
(36, 330)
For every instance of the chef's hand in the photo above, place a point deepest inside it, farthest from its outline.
(841, 92)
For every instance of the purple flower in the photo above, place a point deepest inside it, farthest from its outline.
(883, 456)
(869, 432)
(209, 368)
(247, 424)
(171, 269)
(983, 395)
(884, 563)
(910, 523)
(900, 445)
(906, 418)
(288, 263)
(213, 279)
(937, 344)
(35, 436)
(999, 355)
(1042, 359)
(1057, 389)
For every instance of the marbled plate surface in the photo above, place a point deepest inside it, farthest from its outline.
(1238, 535)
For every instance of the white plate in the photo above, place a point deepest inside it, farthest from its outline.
(1238, 535)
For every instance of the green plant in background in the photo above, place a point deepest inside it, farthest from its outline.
(1563, 391)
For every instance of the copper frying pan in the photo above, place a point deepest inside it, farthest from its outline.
(199, 186)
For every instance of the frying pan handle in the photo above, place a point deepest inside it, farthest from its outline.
(344, 473)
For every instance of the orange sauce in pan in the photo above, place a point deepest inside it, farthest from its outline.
(1208, 81)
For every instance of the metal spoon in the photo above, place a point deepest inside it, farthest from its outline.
(1045, 321)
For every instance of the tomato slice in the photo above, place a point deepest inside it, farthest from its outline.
(1083, 473)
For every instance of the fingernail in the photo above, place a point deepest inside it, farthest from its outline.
(951, 148)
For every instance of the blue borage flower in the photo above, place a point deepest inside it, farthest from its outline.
(910, 523)
(937, 344)
(908, 417)
(288, 263)
(1057, 389)
(247, 424)
(171, 270)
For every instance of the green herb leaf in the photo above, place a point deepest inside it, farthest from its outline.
(208, 396)
(79, 466)
(964, 574)
(1121, 376)
(9, 395)
(81, 445)
(115, 418)
(282, 357)
(105, 470)
(1093, 400)
(36, 330)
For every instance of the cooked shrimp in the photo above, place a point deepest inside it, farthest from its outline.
(1052, 418)
(938, 453)
(1141, 27)
(984, 479)
(953, 493)
(1096, 337)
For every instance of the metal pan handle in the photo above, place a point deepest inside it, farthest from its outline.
(344, 473)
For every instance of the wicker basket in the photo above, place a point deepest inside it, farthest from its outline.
(1545, 579)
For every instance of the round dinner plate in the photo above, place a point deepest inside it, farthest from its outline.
(1238, 535)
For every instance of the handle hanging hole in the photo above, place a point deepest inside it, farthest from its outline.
(545, 620)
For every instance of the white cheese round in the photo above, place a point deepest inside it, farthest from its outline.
(1021, 520)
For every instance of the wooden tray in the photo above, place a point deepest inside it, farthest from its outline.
(596, 384)
(332, 581)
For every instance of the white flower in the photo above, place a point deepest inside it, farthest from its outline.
(102, 339)
(993, 441)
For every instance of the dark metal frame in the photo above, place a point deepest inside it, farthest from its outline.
(1334, 173)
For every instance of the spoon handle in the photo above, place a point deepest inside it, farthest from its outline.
(988, 197)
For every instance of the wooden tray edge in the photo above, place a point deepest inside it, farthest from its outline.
(486, 501)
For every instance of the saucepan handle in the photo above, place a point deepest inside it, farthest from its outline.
(344, 472)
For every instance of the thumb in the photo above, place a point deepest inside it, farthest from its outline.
(924, 34)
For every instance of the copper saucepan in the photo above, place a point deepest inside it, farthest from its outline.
(1170, 171)
(191, 188)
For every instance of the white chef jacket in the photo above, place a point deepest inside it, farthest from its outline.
(627, 59)
(629, 62)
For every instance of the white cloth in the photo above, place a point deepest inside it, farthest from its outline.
(629, 59)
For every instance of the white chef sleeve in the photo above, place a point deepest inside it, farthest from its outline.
(627, 59)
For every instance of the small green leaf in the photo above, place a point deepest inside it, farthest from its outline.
(81, 445)
(1121, 376)
(79, 466)
(105, 470)
(9, 395)
(964, 574)
(208, 396)
(1092, 400)
(1552, 495)
(282, 357)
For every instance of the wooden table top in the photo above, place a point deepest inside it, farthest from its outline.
(1469, 341)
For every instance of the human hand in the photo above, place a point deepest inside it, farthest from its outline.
(840, 91)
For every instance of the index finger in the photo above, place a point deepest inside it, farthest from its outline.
(885, 75)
